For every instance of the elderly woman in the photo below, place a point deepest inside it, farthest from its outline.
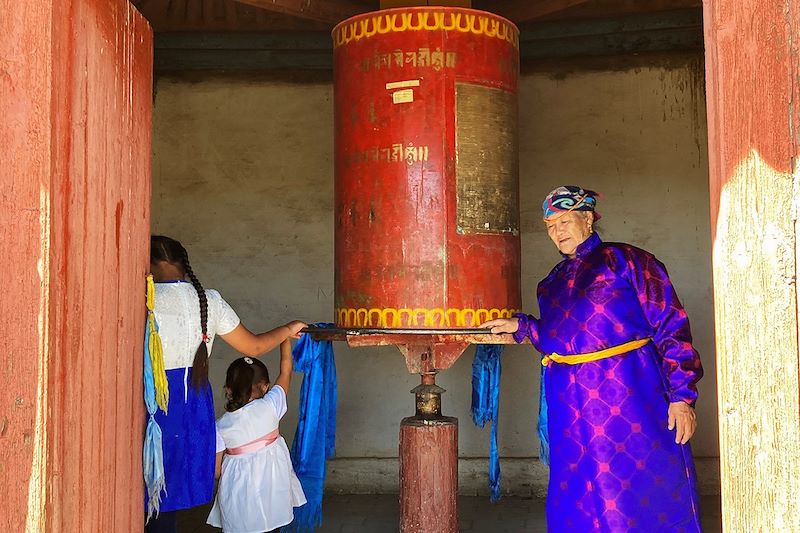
(620, 381)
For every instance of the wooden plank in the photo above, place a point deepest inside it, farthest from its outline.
(78, 193)
(615, 44)
(101, 168)
(681, 30)
(242, 60)
(389, 4)
(687, 19)
(519, 12)
(24, 264)
(612, 8)
(752, 63)
(294, 41)
(219, 15)
(327, 11)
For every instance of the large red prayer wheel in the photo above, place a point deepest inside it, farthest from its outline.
(426, 168)
(427, 209)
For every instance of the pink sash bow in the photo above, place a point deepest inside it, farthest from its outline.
(261, 442)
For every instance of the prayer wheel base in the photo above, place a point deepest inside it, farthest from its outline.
(429, 475)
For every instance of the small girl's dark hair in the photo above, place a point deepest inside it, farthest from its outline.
(242, 377)
(165, 249)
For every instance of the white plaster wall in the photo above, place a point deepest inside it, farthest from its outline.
(243, 175)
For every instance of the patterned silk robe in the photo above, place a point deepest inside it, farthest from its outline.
(614, 465)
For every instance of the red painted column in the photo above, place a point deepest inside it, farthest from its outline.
(753, 100)
(75, 96)
(24, 233)
(429, 476)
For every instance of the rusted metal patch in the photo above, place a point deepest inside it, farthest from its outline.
(487, 163)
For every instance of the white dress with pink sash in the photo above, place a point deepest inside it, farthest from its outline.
(258, 487)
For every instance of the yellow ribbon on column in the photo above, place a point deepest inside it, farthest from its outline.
(156, 349)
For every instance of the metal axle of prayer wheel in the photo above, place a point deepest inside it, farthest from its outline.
(429, 397)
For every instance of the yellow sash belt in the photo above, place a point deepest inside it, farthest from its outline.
(594, 356)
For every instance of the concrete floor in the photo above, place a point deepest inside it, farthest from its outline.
(379, 514)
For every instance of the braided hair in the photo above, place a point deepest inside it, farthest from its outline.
(241, 380)
(166, 249)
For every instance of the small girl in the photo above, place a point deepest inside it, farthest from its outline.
(257, 486)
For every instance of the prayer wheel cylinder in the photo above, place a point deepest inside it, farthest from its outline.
(426, 168)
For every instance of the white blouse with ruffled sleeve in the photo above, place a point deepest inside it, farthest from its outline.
(177, 311)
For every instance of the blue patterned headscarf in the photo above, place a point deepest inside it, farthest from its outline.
(568, 198)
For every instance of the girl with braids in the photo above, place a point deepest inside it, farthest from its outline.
(258, 488)
(189, 318)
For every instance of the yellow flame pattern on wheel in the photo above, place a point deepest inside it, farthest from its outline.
(384, 23)
(417, 317)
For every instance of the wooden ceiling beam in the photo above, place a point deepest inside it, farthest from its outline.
(519, 11)
(327, 11)
(672, 31)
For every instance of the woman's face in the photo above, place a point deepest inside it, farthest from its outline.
(568, 231)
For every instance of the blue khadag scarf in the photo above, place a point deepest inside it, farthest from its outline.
(486, 403)
(541, 425)
(315, 438)
(152, 452)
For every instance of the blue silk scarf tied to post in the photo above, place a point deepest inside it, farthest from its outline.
(152, 453)
(541, 426)
(486, 402)
(315, 438)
